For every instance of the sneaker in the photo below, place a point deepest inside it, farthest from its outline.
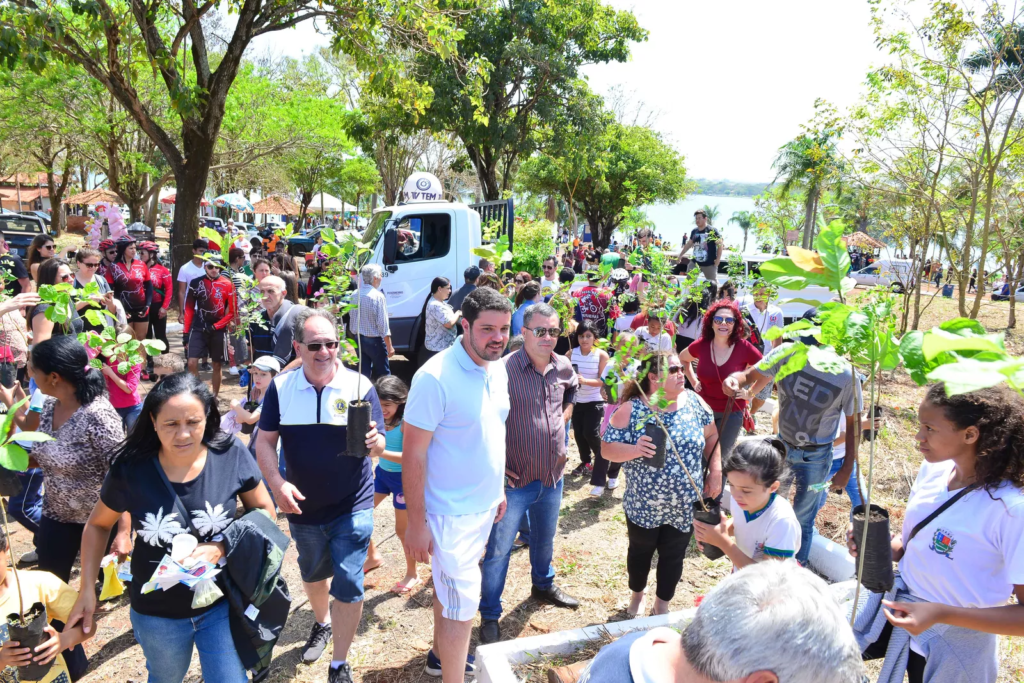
(31, 557)
(433, 667)
(583, 468)
(597, 491)
(206, 367)
(319, 636)
(233, 370)
(343, 674)
(613, 483)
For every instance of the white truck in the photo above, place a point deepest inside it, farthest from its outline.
(422, 238)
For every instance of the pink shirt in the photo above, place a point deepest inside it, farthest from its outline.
(118, 398)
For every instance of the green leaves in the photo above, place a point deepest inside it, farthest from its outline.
(785, 273)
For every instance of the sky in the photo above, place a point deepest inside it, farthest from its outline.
(730, 82)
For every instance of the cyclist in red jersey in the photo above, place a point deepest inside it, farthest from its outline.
(131, 283)
(209, 309)
(163, 292)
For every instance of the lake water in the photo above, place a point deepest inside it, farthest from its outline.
(675, 221)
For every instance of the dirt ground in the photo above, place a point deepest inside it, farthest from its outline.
(395, 632)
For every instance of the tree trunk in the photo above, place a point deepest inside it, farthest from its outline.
(56, 192)
(809, 203)
(190, 182)
(486, 173)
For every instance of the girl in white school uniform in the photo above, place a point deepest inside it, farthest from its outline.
(961, 549)
(763, 525)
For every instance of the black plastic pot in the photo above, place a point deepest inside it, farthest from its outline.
(576, 368)
(660, 438)
(10, 485)
(870, 433)
(877, 552)
(249, 406)
(355, 433)
(8, 374)
(713, 515)
(31, 635)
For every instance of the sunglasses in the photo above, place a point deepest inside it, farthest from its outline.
(720, 320)
(67, 278)
(48, 247)
(90, 265)
(212, 267)
(549, 267)
(674, 369)
(316, 346)
(541, 332)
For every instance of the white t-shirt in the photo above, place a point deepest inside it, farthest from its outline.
(661, 343)
(545, 284)
(623, 322)
(773, 531)
(972, 554)
(772, 317)
(190, 271)
(465, 406)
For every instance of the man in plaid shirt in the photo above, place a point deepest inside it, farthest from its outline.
(371, 320)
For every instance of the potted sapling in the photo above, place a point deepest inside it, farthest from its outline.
(26, 627)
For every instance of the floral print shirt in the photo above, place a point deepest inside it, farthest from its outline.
(437, 336)
(76, 461)
(655, 497)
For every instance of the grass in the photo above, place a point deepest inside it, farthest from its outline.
(590, 550)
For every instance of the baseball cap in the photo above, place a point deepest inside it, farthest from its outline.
(267, 364)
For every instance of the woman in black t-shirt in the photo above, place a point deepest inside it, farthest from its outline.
(179, 434)
(54, 271)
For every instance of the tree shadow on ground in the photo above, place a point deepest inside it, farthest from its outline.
(112, 649)
(585, 512)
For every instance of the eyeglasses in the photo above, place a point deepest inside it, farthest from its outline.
(316, 346)
(90, 265)
(720, 320)
(541, 332)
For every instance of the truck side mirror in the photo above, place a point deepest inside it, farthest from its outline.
(390, 246)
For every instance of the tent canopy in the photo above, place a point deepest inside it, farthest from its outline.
(93, 197)
(172, 198)
(330, 203)
(275, 204)
(863, 241)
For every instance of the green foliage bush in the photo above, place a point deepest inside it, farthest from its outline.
(532, 242)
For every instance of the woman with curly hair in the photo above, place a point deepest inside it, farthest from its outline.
(961, 550)
(721, 350)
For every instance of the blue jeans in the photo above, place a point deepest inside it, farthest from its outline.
(336, 551)
(810, 469)
(167, 646)
(542, 503)
(851, 487)
(129, 415)
(27, 506)
(375, 357)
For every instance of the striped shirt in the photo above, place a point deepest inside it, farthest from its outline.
(372, 314)
(588, 369)
(535, 430)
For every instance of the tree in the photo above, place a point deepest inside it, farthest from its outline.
(533, 51)
(605, 168)
(170, 38)
(746, 220)
(353, 178)
(711, 212)
(811, 160)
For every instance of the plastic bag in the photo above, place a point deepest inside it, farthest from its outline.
(205, 593)
(112, 586)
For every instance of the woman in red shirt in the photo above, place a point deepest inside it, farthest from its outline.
(163, 290)
(722, 349)
(132, 286)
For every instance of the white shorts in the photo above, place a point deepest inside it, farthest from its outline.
(459, 542)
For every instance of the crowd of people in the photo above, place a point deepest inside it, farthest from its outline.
(473, 456)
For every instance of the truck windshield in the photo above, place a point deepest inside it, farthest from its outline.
(375, 228)
(15, 224)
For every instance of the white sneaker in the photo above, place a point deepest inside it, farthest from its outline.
(613, 483)
(233, 370)
(597, 491)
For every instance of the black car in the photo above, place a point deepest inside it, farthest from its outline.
(20, 229)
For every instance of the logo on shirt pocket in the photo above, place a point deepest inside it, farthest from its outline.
(943, 543)
(340, 406)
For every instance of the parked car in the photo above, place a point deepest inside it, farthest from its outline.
(791, 309)
(42, 215)
(212, 222)
(897, 274)
(20, 229)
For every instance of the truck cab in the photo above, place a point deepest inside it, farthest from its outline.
(19, 230)
(423, 238)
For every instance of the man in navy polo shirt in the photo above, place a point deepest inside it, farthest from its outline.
(328, 495)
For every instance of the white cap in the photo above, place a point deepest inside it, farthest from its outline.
(267, 364)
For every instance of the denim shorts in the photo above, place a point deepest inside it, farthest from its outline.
(336, 551)
(389, 483)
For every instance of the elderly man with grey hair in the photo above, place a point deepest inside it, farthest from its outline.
(771, 622)
(370, 320)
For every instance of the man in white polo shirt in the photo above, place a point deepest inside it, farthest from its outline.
(453, 467)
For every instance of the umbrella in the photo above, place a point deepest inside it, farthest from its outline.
(172, 198)
(93, 197)
(862, 240)
(275, 204)
(234, 201)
